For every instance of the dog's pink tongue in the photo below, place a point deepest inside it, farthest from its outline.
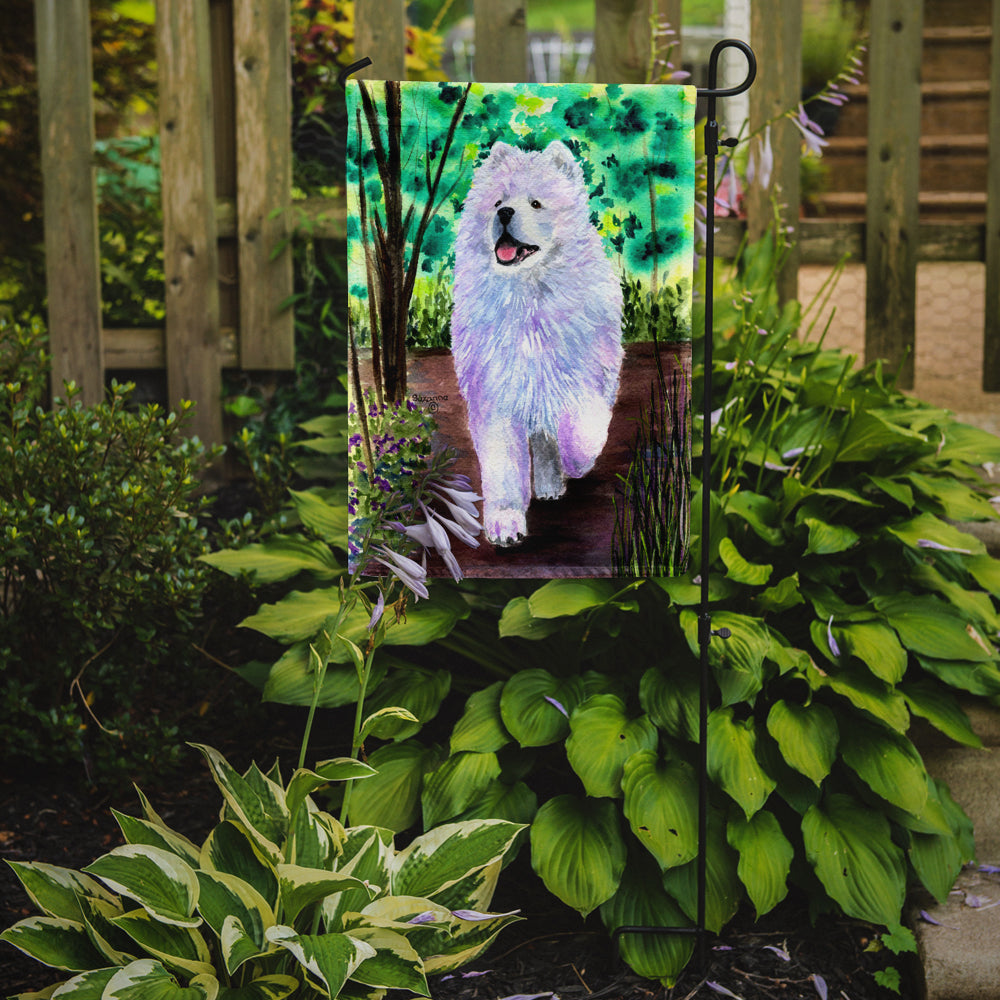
(506, 252)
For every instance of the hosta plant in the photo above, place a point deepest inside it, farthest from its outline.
(279, 900)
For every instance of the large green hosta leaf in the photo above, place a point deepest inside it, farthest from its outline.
(765, 858)
(941, 709)
(888, 763)
(661, 806)
(559, 598)
(481, 728)
(642, 902)
(807, 736)
(602, 738)
(926, 528)
(732, 760)
(670, 698)
(535, 706)
(578, 851)
(723, 889)
(456, 784)
(932, 628)
(391, 798)
(875, 645)
(278, 558)
(850, 848)
(738, 661)
(418, 690)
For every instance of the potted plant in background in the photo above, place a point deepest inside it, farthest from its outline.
(830, 30)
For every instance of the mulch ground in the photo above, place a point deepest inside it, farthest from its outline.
(551, 952)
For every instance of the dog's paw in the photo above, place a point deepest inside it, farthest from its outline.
(504, 526)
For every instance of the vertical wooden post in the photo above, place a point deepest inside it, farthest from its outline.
(776, 34)
(893, 183)
(991, 333)
(261, 41)
(190, 253)
(380, 34)
(72, 256)
(622, 41)
(501, 41)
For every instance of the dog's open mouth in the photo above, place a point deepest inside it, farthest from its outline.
(510, 251)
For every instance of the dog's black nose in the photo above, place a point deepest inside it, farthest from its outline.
(505, 214)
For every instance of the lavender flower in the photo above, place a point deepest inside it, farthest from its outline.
(811, 132)
(411, 573)
(760, 166)
(831, 642)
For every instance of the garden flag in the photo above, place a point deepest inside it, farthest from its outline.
(519, 268)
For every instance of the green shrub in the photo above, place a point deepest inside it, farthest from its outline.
(279, 900)
(99, 542)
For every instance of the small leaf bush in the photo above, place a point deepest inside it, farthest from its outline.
(99, 575)
(279, 900)
(855, 602)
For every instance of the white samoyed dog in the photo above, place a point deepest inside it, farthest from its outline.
(536, 330)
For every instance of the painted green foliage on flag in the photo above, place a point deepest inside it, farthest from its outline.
(635, 145)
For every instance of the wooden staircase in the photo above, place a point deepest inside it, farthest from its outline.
(955, 93)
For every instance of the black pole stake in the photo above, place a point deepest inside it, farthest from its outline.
(705, 631)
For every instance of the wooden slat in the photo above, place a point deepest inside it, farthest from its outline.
(776, 36)
(501, 41)
(72, 257)
(144, 348)
(826, 241)
(621, 40)
(262, 61)
(991, 333)
(380, 34)
(893, 184)
(190, 253)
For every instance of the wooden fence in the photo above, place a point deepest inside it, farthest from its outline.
(226, 161)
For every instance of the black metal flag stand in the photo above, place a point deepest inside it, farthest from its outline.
(705, 631)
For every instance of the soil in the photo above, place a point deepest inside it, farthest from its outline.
(551, 952)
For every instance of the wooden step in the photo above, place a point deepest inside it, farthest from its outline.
(945, 106)
(947, 162)
(956, 53)
(940, 13)
(959, 206)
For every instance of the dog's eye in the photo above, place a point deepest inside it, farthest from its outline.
(499, 203)
(536, 203)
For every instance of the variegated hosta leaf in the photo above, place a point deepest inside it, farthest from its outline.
(732, 760)
(661, 800)
(441, 857)
(304, 782)
(147, 979)
(602, 737)
(366, 855)
(256, 801)
(56, 891)
(177, 947)
(465, 942)
(224, 898)
(329, 959)
(456, 784)
(158, 880)
(274, 987)
(807, 736)
(481, 727)
(395, 964)
(642, 902)
(141, 831)
(300, 887)
(578, 851)
(98, 915)
(230, 849)
(86, 986)
(850, 847)
(54, 941)
(315, 838)
(765, 858)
